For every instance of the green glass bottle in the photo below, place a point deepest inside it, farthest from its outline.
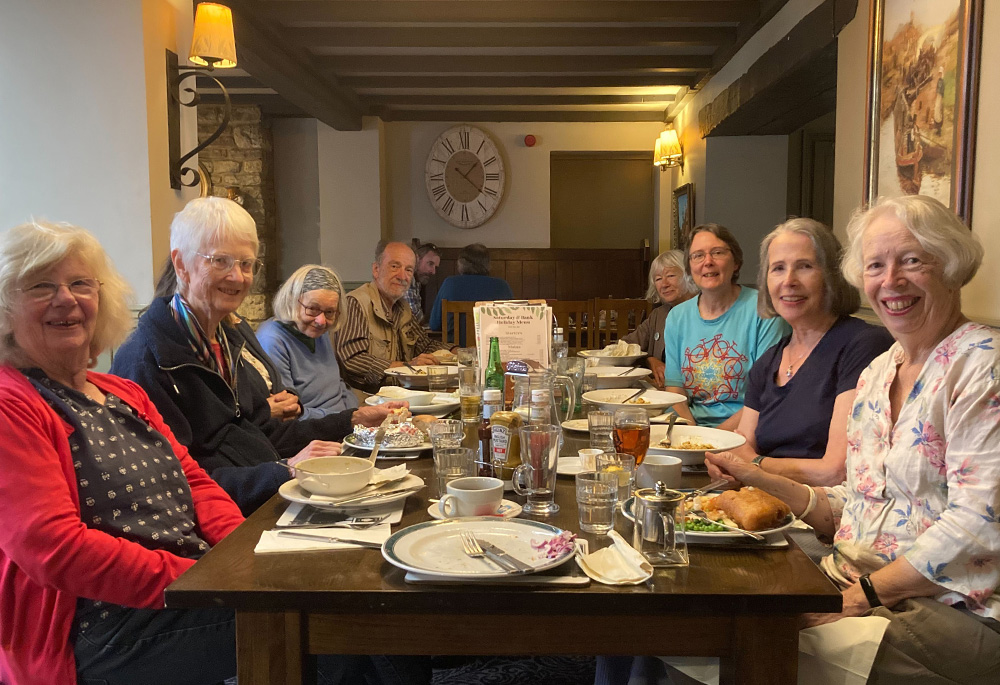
(494, 369)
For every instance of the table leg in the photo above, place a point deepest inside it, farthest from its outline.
(270, 648)
(765, 651)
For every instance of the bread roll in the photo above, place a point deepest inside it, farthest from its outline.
(750, 508)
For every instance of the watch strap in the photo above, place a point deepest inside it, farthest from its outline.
(758, 459)
(866, 585)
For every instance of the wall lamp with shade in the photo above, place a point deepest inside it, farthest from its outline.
(213, 46)
(667, 152)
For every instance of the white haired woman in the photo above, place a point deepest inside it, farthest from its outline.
(915, 526)
(307, 312)
(801, 390)
(201, 372)
(668, 286)
(89, 473)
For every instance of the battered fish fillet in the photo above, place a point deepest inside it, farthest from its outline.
(750, 508)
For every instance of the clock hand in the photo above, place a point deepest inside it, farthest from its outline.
(466, 177)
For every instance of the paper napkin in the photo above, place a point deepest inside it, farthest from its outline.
(271, 542)
(618, 564)
(393, 473)
(394, 510)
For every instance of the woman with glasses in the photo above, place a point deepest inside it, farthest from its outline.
(200, 370)
(668, 287)
(307, 313)
(711, 341)
(89, 473)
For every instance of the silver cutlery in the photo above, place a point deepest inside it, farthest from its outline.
(415, 372)
(379, 434)
(627, 371)
(632, 396)
(355, 523)
(668, 441)
(704, 517)
(489, 547)
(708, 488)
(472, 549)
(326, 538)
(372, 496)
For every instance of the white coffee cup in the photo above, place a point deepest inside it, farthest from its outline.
(588, 458)
(472, 496)
(658, 467)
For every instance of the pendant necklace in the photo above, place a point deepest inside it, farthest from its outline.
(788, 372)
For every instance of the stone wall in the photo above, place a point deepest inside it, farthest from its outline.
(240, 165)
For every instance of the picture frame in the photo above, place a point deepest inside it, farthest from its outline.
(681, 216)
(923, 86)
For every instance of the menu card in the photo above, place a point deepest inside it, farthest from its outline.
(524, 328)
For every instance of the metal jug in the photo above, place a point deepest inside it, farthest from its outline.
(659, 526)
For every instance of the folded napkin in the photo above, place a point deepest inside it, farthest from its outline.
(392, 473)
(841, 652)
(618, 564)
(394, 510)
(271, 542)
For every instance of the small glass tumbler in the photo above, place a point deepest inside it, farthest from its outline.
(596, 501)
(631, 432)
(446, 433)
(467, 356)
(451, 463)
(623, 465)
(601, 424)
(437, 378)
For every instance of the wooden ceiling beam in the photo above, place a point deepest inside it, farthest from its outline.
(513, 115)
(470, 64)
(684, 78)
(446, 100)
(516, 37)
(513, 11)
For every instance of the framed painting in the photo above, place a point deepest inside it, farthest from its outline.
(923, 82)
(682, 216)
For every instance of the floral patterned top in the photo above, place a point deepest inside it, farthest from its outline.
(927, 488)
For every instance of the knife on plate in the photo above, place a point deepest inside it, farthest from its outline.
(490, 548)
(371, 496)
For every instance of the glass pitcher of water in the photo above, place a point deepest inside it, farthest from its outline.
(535, 398)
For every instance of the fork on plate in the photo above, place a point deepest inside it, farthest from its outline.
(472, 549)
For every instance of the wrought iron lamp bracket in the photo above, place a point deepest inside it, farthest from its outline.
(175, 78)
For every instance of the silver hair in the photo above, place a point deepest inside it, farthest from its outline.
(671, 259)
(208, 221)
(29, 249)
(839, 298)
(936, 228)
(306, 279)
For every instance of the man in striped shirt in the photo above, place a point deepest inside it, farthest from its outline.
(379, 330)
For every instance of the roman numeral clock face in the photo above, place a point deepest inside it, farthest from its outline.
(465, 177)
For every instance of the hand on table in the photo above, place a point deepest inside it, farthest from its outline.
(316, 448)
(657, 366)
(284, 405)
(374, 416)
(425, 359)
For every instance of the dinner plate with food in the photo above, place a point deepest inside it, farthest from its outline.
(421, 402)
(620, 353)
(410, 376)
(616, 376)
(747, 509)
(651, 400)
(689, 443)
(403, 433)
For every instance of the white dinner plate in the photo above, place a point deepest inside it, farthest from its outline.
(616, 376)
(577, 425)
(699, 535)
(569, 466)
(508, 510)
(292, 492)
(628, 360)
(435, 547)
(719, 439)
(656, 400)
(437, 408)
(350, 442)
(416, 376)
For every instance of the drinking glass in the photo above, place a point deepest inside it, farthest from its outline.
(572, 368)
(536, 475)
(446, 433)
(451, 463)
(601, 424)
(631, 432)
(596, 499)
(468, 380)
(622, 465)
(437, 378)
(467, 356)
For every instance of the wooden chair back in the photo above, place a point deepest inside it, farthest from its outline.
(613, 319)
(575, 317)
(458, 327)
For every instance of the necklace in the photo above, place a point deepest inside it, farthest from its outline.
(788, 372)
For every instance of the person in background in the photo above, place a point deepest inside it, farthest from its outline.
(802, 389)
(669, 285)
(307, 312)
(379, 330)
(711, 341)
(428, 261)
(916, 537)
(472, 284)
(91, 475)
(200, 372)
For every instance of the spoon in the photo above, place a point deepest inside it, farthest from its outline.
(667, 442)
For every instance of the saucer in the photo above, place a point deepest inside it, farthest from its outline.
(507, 510)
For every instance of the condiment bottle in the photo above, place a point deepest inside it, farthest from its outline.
(491, 404)
(505, 429)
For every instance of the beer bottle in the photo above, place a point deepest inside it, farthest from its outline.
(494, 369)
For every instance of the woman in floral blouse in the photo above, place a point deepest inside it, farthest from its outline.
(915, 525)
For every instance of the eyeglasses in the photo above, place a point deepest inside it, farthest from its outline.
(329, 314)
(717, 253)
(224, 263)
(46, 290)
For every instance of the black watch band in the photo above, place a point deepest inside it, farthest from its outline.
(758, 460)
(866, 584)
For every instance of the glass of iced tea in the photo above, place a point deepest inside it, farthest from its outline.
(631, 432)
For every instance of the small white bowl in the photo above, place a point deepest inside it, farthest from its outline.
(416, 398)
(333, 476)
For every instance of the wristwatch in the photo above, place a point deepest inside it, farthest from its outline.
(758, 459)
(866, 584)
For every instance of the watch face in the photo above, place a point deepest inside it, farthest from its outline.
(465, 176)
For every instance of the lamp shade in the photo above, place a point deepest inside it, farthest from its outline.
(667, 151)
(213, 43)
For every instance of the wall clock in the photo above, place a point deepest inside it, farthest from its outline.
(464, 175)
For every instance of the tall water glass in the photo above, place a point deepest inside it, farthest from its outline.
(572, 368)
(601, 425)
(623, 466)
(631, 432)
(596, 500)
(451, 463)
(535, 478)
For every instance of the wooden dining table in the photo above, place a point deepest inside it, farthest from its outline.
(738, 603)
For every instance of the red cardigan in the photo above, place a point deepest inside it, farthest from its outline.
(48, 557)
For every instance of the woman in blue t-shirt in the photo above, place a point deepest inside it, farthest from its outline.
(801, 390)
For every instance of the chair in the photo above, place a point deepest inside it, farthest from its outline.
(575, 318)
(614, 319)
(459, 313)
